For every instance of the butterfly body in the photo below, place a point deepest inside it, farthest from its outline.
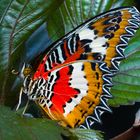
(72, 81)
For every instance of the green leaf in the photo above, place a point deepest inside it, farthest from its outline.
(127, 81)
(3, 6)
(87, 134)
(20, 20)
(16, 127)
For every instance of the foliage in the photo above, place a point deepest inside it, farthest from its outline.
(14, 126)
(126, 83)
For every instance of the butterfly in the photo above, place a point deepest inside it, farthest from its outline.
(72, 82)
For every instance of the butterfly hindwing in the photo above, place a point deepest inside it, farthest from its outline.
(102, 38)
(75, 90)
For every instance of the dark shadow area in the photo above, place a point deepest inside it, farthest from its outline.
(118, 121)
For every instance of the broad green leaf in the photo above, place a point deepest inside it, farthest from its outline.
(20, 19)
(15, 127)
(3, 7)
(87, 134)
(127, 81)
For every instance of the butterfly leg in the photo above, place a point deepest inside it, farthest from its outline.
(25, 108)
(19, 102)
(20, 96)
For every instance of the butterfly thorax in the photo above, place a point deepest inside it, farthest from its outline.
(34, 88)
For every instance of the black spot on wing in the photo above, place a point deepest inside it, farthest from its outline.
(112, 28)
(70, 69)
(91, 104)
(48, 86)
(82, 67)
(87, 48)
(52, 57)
(84, 113)
(93, 65)
(70, 100)
(91, 27)
(77, 123)
(85, 41)
(52, 94)
(98, 85)
(72, 43)
(77, 91)
(109, 36)
(45, 68)
(97, 94)
(77, 40)
(97, 75)
(96, 32)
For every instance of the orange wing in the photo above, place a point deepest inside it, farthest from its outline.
(76, 91)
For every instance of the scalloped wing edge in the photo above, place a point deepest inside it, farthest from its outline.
(102, 107)
(131, 29)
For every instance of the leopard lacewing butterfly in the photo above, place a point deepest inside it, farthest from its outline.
(72, 82)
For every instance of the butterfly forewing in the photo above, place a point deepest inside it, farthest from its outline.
(102, 38)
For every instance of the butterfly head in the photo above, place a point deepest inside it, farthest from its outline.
(25, 71)
(26, 75)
